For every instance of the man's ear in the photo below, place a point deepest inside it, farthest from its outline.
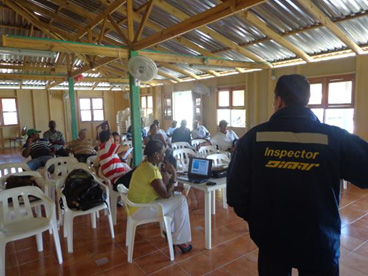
(278, 103)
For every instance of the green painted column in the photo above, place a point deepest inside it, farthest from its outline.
(135, 113)
(72, 108)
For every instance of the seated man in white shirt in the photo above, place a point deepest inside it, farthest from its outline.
(199, 131)
(225, 138)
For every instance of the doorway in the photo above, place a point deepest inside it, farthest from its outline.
(183, 107)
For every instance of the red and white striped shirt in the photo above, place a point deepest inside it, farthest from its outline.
(111, 165)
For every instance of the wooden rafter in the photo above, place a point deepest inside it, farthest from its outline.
(129, 9)
(92, 65)
(118, 52)
(180, 70)
(251, 17)
(209, 16)
(321, 17)
(118, 30)
(210, 32)
(144, 20)
(113, 7)
(169, 76)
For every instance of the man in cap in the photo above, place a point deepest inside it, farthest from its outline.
(225, 139)
(40, 150)
(199, 131)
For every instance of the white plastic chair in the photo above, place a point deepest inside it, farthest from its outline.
(56, 174)
(69, 214)
(165, 222)
(182, 158)
(13, 168)
(219, 159)
(206, 150)
(18, 221)
(196, 142)
(181, 145)
(114, 195)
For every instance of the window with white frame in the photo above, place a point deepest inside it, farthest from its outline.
(147, 105)
(231, 106)
(91, 109)
(332, 100)
(9, 112)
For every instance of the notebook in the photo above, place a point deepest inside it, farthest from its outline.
(199, 170)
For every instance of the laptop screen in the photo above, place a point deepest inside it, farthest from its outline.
(200, 167)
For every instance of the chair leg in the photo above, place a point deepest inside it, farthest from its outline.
(57, 240)
(131, 242)
(167, 224)
(93, 219)
(69, 225)
(109, 216)
(39, 242)
(2, 258)
(127, 234)
(113, 203)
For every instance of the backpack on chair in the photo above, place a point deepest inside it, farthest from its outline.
(82, 192)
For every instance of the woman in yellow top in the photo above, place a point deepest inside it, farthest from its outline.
(150, 183)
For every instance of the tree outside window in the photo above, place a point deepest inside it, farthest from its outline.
(332, 100)
(231, 106)
(91, 109)
(9, 112)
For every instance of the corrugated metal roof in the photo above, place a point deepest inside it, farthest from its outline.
(282, 16)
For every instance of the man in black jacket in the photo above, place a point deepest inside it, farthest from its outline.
(284, 179)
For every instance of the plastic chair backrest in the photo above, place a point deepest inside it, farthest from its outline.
(56, 162)
(219, 159)
(20, 209)
(38, 178)
(90, 160)
(196, 142)
(181, 145)
(182, 158)
(206, 150)
(9, 168)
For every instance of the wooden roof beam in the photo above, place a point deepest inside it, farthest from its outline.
(251, 17)
(169, 76)
(180, 70)
(130, 25)
(92, 65)
(118, 52)
(207, 17)
(118, 30)
(144, 20)
(110, 9)
(327, 22)
(215, 35)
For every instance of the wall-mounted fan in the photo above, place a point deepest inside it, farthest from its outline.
(201, 89)
(142, 68)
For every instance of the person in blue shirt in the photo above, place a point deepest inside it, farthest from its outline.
(284, 180)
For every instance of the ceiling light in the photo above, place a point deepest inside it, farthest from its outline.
(27, 52)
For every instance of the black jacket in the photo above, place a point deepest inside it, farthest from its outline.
(284, 179)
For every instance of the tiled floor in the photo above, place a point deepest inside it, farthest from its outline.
(233, 252)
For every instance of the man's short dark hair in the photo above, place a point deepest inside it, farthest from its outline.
(293, 89)
(104, 136)
(115, 134)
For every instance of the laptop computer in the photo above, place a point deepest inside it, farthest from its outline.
(199, 170)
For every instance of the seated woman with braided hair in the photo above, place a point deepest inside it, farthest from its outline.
(153, 183)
